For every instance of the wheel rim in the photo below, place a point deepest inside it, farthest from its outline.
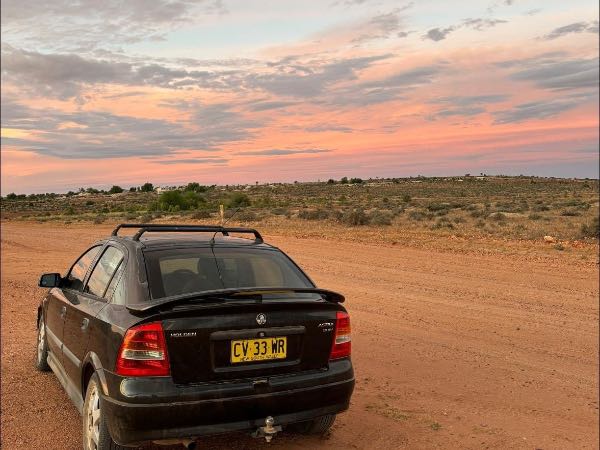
(41, 342)
(93, 419)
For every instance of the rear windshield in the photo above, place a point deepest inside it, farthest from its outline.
(191, 270)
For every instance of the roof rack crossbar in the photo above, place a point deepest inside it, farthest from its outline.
(150, 227)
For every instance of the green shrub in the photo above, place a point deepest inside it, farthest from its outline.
(238, 200)
(147, 187)
(115, 190)
(406, 198)
(178, 201)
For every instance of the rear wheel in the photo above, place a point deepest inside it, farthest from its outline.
(41, 356)
(318, 426)
(95, 431)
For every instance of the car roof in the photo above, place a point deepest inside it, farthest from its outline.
(182, 239)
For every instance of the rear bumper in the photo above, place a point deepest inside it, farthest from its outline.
(153, 414)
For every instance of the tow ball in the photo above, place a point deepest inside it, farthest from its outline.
(267, 431)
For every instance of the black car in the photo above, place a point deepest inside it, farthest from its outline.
(181, 331)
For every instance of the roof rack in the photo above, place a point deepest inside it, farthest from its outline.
(151, 227)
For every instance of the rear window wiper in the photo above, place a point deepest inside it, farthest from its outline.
(234, 294)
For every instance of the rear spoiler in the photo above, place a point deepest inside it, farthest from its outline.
(329, 296)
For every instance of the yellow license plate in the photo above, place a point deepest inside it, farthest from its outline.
(264, 349)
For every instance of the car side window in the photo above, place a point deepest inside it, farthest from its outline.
(77, 273)
(103, 272)
(113, 292)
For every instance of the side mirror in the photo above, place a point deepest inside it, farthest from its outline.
(50, 280)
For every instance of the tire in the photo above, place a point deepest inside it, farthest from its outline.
(95, 431)
(318, 426)
(41, 354)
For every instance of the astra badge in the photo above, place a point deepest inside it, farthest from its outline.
(261, 319)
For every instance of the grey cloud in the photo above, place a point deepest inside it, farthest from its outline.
(561, 74)
(325, 127)
(192, 161)
(265, 106)
(465, 105)
(385, 89)
(534, 110)
(471, 99)
(479, 24)
(438, 34)
(85, 25)
(577, 27)
(310, 81)
(380, 27)
(482, 24)
(96, 135)
(65, 76)
(282, 152)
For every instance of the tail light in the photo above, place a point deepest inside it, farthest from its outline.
(143, 352)
(341, 343)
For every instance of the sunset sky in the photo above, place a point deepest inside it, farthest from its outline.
(96, 93)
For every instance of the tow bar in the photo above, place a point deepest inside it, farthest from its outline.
(268, 431)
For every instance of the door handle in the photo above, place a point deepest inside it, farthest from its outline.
(63, 312)
(84, 324)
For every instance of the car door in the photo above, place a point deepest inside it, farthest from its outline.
(59, 303)
(88, 302)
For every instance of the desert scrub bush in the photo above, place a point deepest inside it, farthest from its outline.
(70, 211)
(437, 207)
(591, 230)
(238, 199)
(535, 216)
(418, 216)
(146, 218)
(570, 213)
(355, 217)
(99, 219)
(406, 198)
(247, 216)
(478, 213)
(480, 223)
(316, 214)
(280, 211)
(380, 218)
(498, 217)
(540, 208)
(442, 222)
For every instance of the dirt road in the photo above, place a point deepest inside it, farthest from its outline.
(450, 350)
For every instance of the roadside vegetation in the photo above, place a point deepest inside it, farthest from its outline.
(527, 208)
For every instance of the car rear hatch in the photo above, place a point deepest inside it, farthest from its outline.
(248, 339)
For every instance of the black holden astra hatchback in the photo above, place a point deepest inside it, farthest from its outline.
(181, 331)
